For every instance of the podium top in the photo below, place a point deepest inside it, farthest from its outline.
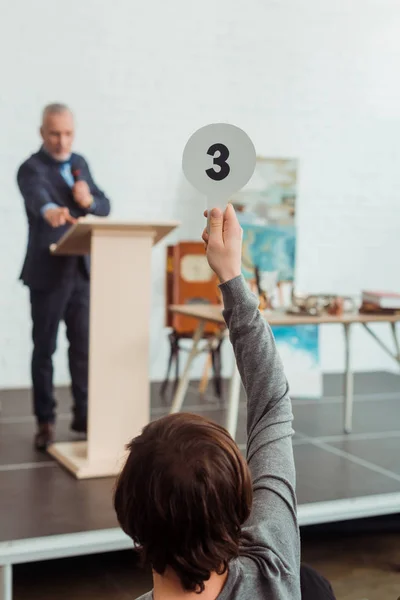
(77, 239)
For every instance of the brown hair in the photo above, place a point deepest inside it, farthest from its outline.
(183, 495)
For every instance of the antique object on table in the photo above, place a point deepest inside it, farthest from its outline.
(265, 284)
(380, 302)
(390, 300)
(319, 304)
(371, 308)
(265, 300)
(190, 280)
(336, 307)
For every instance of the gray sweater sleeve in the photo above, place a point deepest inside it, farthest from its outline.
(271, 535)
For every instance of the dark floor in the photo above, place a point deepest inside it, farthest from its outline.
(360, 567)
(330, 466)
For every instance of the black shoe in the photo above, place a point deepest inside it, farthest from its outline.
(44, 436)
(79, 424)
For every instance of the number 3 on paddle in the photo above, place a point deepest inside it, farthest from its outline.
(220, 160)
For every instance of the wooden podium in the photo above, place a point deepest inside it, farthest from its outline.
(119, 387)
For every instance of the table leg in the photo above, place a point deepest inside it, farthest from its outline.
(396, 341)
(206, 373)
(348, 383)
(233, 405)
(5, 582)
(180, 393)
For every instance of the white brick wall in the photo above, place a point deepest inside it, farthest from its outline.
(314, 79)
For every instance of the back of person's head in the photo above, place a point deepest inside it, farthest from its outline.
(183, 495)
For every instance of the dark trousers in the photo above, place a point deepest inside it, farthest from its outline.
(314, 586)
(68, 302)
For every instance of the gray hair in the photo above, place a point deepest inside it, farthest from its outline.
(55, 109)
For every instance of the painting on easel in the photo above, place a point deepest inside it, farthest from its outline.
(266, 209)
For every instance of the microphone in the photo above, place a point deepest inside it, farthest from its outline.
(76, 174)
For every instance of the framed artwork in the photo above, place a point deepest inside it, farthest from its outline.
(266, 209)
(272, 190)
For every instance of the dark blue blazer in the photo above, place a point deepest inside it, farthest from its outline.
(40, 181)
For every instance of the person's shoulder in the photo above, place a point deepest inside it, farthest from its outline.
(31, 164)
(147, 596)
(78, 159)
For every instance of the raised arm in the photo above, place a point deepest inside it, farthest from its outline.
(271, 535)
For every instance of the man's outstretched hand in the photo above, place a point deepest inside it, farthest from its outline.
(56, 217)
(223, 243)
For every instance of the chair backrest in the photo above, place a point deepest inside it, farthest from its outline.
(189, 280)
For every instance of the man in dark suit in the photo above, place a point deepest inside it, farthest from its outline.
(57, 188)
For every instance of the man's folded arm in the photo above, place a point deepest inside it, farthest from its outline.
(101, 204)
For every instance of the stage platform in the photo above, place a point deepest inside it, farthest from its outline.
(45, 513)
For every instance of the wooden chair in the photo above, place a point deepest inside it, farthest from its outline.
(212, 348)
(190, 280)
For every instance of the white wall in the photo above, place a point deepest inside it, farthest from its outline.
(313, 79)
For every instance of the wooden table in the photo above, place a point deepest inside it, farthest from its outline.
(212, 313)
